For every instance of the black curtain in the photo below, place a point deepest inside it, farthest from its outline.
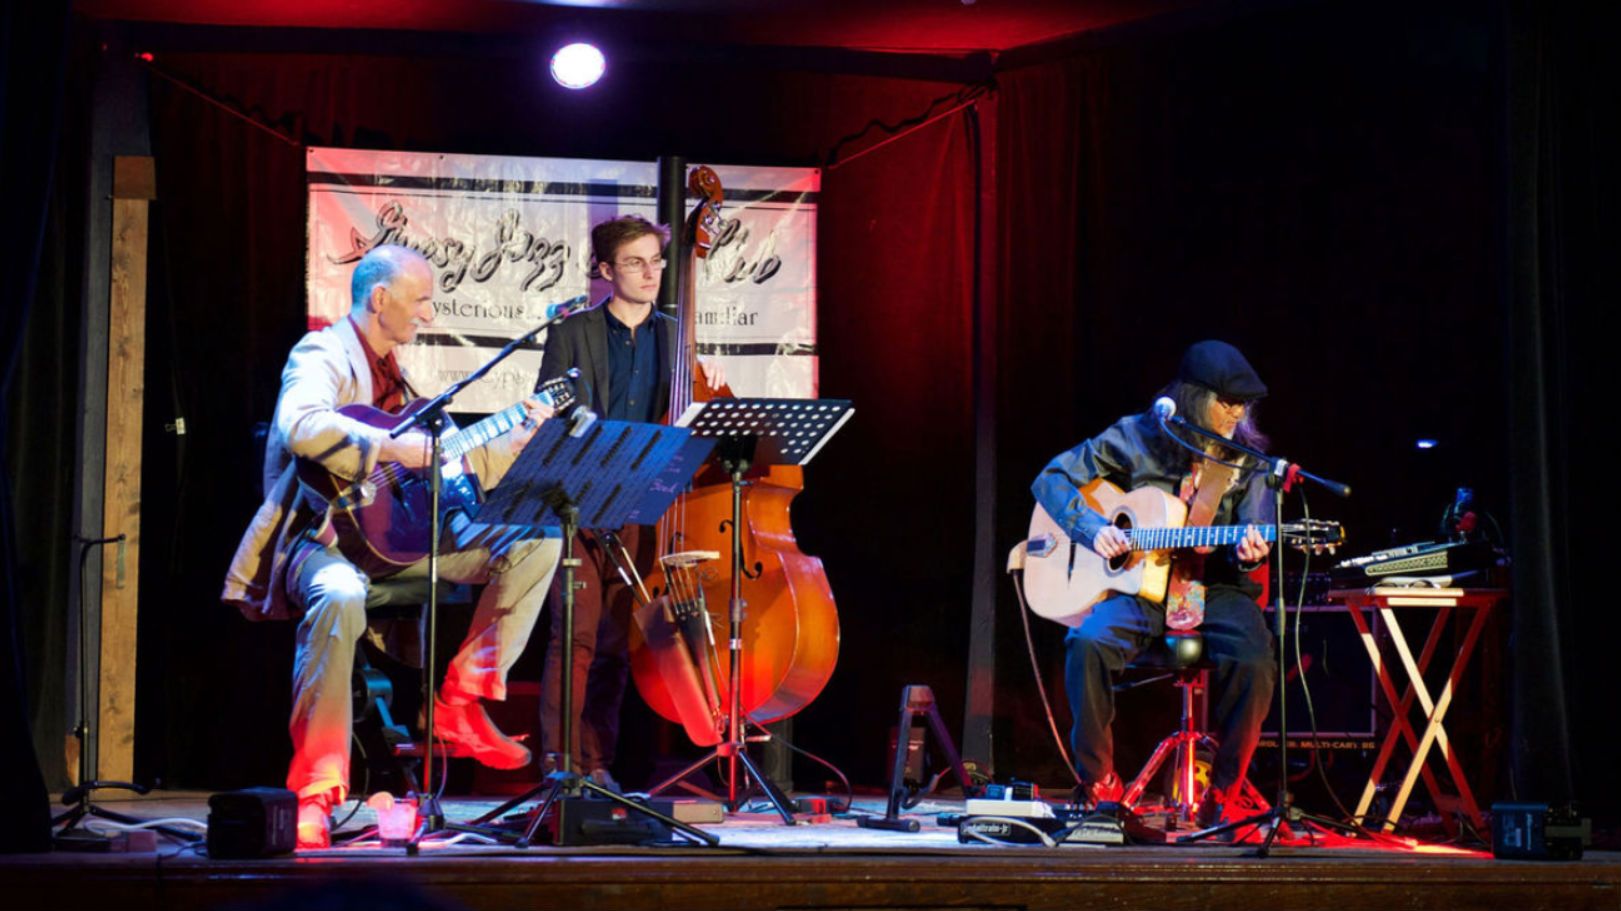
(34, 39)
(1327, 186)
(1318, 184)
(1563, 88)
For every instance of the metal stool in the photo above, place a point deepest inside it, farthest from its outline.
(394, 608)
(1180, 653)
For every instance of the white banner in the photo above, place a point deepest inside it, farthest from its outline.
(509, 236)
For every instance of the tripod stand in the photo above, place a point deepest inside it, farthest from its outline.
(432, 418)
(616, 474)
(1281, 477)
(734, 749)
(763, 431)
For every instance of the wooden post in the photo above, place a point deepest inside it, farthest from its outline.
(134, 185)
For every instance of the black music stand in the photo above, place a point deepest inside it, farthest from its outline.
(611, 474)
(753, 432)
(433, 420)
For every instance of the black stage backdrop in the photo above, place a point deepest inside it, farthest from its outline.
(1318, 186)
(1328, 186)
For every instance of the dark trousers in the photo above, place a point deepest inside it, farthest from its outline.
(1235, 639)
(602, 619)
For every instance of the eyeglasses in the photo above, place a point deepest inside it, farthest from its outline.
(638, 264)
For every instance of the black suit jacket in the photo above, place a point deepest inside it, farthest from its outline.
(582, 341)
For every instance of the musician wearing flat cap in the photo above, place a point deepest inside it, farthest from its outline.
(1216, 388)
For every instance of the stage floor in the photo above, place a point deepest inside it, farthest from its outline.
(762, 864)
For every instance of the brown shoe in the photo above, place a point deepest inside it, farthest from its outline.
(1215, 809)
(469, 732)
(315, 822)
(1107, 789)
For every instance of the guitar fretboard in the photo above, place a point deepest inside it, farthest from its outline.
(467, 439)
(1192, 536)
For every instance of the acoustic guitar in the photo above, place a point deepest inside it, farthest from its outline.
(383, 521)
(1065, 579)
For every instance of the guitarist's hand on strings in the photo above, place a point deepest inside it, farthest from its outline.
(413, 450)
(1253, 548)
(1110, 542)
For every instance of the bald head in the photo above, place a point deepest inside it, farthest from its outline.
(380, 267)
(393, 297)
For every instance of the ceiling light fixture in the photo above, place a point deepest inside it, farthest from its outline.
(578, 66)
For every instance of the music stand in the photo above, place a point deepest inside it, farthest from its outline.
(432, 419)
(613, 473)
(758, 432)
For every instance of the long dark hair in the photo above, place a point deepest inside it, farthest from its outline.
(1193, 402)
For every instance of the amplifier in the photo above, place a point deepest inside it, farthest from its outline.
(1344, 689)
(253, 822)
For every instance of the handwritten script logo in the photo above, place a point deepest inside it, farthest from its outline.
(730, 254)
(456, 260)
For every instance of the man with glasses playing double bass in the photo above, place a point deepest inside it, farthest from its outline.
(626, 351)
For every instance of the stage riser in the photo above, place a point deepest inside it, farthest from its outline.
(1185, 879)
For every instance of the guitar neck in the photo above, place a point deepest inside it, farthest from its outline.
(554, 392)
(1192, 536)
(469, 438)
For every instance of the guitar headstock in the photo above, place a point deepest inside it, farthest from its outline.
(703, 225)
(558, 391)
(1315, 536)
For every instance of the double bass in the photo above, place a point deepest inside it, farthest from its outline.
(791, 627)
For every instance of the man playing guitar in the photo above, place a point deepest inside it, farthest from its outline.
(1215, 387)
(291, 562)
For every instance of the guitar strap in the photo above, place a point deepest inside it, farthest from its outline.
(1213, 480)
(1202, 490)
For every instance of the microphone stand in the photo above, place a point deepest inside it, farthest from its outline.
(71, 832)
(431, 417)
(1282, 475)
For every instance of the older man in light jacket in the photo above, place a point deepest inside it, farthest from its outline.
(289, 565)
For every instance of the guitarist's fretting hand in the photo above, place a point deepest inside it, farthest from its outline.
(1253, 549)
(535, 412)
(1110, 542)
(415, 449)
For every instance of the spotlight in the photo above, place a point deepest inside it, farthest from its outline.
(578, 66)
(1427, 444)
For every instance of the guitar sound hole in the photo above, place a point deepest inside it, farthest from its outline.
(1122, 522)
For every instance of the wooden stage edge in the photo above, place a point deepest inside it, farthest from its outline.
(833, 866)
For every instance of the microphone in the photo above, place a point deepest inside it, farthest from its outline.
(566, 308)
(1164, 408)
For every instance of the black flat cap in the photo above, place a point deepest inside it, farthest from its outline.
(1219, 366)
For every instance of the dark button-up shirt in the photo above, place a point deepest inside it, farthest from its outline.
(633, 363)
(389, 391)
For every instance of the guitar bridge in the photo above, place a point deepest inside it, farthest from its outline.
(1040, 546)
